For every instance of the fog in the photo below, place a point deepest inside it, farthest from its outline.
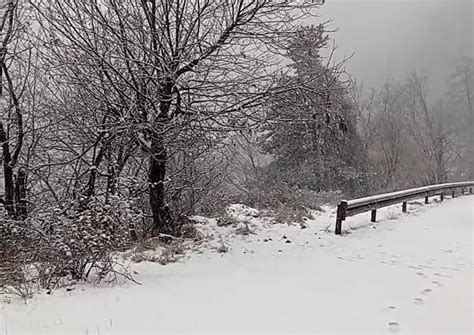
(392, 37)
(216, 135)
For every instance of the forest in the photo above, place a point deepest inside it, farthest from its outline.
(120, 120)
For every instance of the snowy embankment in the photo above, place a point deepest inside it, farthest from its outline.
(408, 273)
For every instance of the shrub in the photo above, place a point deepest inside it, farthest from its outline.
(288, 214)
(54, 245)
(162, 249)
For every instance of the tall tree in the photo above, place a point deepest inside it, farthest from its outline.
(312, 135)
(390, 132)
(429, 126)
(167, 69)
(462, 89)
(14, 68)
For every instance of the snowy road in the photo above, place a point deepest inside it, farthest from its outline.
(409, 274)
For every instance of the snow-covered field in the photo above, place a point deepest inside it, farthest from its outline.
(408, 273)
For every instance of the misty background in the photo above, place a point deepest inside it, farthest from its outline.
(390, 38)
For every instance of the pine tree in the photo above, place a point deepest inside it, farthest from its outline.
(312, 135)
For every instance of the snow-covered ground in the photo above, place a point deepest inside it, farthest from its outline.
(408, 273)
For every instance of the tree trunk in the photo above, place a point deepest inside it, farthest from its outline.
(7, 173)
(90, 188)
(162, 220)
(111, 179)
(161, 215)
(20, 195)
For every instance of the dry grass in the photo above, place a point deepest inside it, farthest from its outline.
(163, 249)
(289, 215)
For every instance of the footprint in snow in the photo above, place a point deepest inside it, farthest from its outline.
(418, 301)
(426, 291)
(448, 268)
(437, 283)
(393, 327)
(415, 267)
(421, 274)
(442, 275)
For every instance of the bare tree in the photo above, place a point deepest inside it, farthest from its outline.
(462, 89)
(390, 132)
(166, 69)
(14, 70)
(431, 131)
(366, 110)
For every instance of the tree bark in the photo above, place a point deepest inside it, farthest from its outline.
(90, 188)
(20, 195)
(7, 173)
(157, 175)
(162, 220)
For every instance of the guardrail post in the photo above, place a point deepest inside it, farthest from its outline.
(427, 200)
(341, 216)
(373, 215)
(441, 196)
(453, 194)
(404, 207)
(470, 190)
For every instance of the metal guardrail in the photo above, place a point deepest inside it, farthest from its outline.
(352, 207)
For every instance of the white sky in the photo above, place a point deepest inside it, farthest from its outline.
(392, 37)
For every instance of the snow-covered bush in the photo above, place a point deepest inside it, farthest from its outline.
(76, 244)
(289, 215)
(240, 211)
(16, 249)
(163, 249)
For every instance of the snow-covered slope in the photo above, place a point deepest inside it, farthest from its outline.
(408, 273)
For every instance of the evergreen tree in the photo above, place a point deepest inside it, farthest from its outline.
(312, 134)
